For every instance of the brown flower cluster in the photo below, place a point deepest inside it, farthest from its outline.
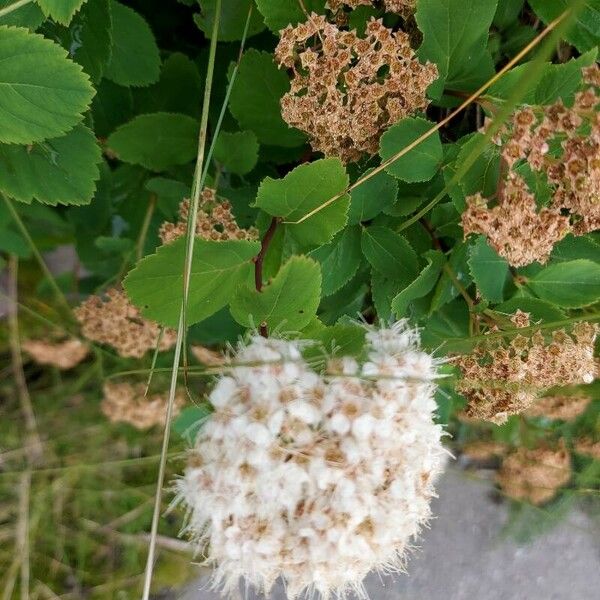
(535, 475)
(125, 402)
(483, 450)
(64, 354)
(588, 447)
(346, 90)
(115, 321)
(559, 408)
(402, 7)
(215, 221)
(500, 378)
(563, 144)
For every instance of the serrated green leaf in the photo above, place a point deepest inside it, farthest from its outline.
(372, 197)
(190, 420)
(60, 10)
(573, 247)
(339, 259)
(507, 12)
(539, 310)
(281, 13)
(422, 285)
(28, 15)
(383, 292)
(91, 37)
(255, 100)
(571, 284)
(237, 151)
(489, 270)
(232, 21)
(135, 60)
(288, 302)
(61, 170)
(390, 254)
(447, 328)
(218, 268)
(455, 36)
(446, 289)
(301, 191)
(585, 33)
(423, 161)
(112, 106)
(42, 93)
(157, 141)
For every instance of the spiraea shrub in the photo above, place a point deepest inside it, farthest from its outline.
(328, 244)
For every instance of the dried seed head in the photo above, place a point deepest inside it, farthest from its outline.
(313, 478)
(559, 408)
(125, 402)
(115, 321)
(64, 354)
(536, 475)
(589, 447)
(402, 7)
(500, 379)
(346, 90)
(215, 221)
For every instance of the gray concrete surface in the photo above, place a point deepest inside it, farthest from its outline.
(464, 556)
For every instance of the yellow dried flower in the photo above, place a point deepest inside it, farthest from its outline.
(559, 408)
(500, 379)
(115, 321)
(346, 90)
(64, 354)
(536, 475)
(215, 221)
(125, 402)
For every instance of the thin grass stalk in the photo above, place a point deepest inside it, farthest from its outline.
(190, 238)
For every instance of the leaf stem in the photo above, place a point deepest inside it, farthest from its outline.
(14, 6)
(259, 261)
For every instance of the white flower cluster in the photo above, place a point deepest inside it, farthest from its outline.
(316, 479)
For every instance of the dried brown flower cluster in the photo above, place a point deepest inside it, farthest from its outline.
(588, 447)
(483, 450)
(562, 143)
(402, 7)
(214, 221)
(64, 354)
(345, 89)
(514, 227)
(560, 408)
(535, 475)
(115, 321)
(500, 379)
(125, 402)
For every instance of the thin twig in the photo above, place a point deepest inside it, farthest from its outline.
(141, 242)
(258, 264)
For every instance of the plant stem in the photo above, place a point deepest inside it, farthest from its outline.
(258, 264)
(14, 6)
(141, 242)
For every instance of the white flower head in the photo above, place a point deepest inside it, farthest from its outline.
(315, 478)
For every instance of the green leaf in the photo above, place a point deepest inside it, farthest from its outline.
(563, 80)
(42, 93)
(536, 308)
(447, 328)
(336, 340)
(60, 10)
(135, 58)
(372, 197)
(303, 190)
(28, 15)
(279, 14)
(112, 106)
(91, 34)
(422, 285)
(423, 161)
(446, 289)
(571, 284)
(585, 33)
(573, 247)
(455, 34)
(189, 421)
(339, 259)
(507, 12)
(383, 292)
(289, 302)
(237, 152)
(218, 268)
(234, 14)
(61, 170)
(489, 270)
(390, 254)
(255, 99)
(157, 141)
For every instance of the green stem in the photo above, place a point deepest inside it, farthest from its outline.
(57, 291)
(12, 7)
(141, 242)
